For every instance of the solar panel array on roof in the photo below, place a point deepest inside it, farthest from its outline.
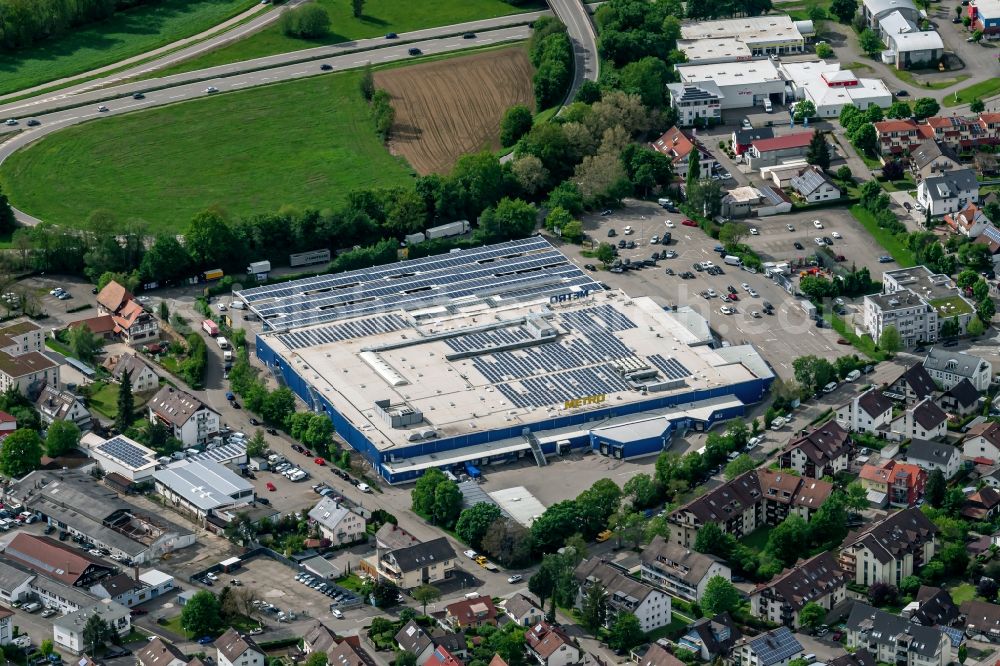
(346, 331)
(517, 269)
(126, 452)
(992, 233)
(671, 367)
(776, 646)
(558, 387)
(485, 340)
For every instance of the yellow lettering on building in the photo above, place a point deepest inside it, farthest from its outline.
(589, 400)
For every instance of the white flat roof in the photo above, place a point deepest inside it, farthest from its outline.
(458, 456)
(769, 29)
(715, 48)
(657, 420)
(155, 577)
(520, 504)
(917, 41)
(754, 72)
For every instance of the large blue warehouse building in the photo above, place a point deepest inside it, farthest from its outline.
(488, 355)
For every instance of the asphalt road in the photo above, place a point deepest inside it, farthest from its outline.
(575, 16)
(376, 50)
(57, 120)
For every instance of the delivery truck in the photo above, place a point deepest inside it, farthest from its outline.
(456, 228)
(307, 258)
(214, 274)
(222, 342)
(210, 327)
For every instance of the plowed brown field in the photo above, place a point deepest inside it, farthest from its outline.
(447, 108)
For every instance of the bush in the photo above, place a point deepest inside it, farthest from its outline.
(309, 21)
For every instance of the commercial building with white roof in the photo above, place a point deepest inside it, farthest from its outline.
(741, 84)
(202, 487)
(761, 35)
(483, 356)
(908, 46)
(830, 88)
(123, 456)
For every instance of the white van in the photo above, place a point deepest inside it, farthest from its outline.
(767, 105)
(364, 487)
(732, 260)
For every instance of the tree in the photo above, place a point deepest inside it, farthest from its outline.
(739, 465)
(955, 558)
(202, 614)
(910, 585)
(865, 138)
(642, 489)
(61, 438)
(882, 594)
(975, 327)
(367, 83)
(83, 343)
(165, 260)
(694, 169)
(963, 653)
(890, 341)
(475, 521)
(711, 540)
(257, 446)
(987, 588)
(824, 50)
(720, 596)
(384, 593)
(595, 506)
(309, 21)
(126, 403)
(925, 107)
(605, 253)
(977, 105)
(732, 234)
(870, 42)
(625, 633)
(96, 632)
(516, 122)
(818, 152)
(786, 539)
(977, 36)
(316, 658)
(46, 647)
(403, 658)
(425, 594)
(985, 309)
(594, 608)
(447, 504)
(844, 174)
(856, 497)
(208, 238)
(812, 615)
(543, 582)
(976, 257)
(422, 495)
(358, 8)
(899, 110)
(508, 542)
(164, 311)
(21, 453)
(844, 10)
(510, 218)
(935, 488)
(805, 109)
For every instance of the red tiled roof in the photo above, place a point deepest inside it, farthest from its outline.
(50, 557)
(674, 144)
(895, 125)
(797, 140)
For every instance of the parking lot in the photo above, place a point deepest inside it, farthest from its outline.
(781, 337)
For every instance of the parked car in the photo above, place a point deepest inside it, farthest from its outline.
(516, 578)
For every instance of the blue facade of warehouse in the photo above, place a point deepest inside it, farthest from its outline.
(749, 392)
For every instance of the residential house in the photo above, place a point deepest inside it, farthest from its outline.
(8, 424)
(236, 649)
(968, 222)
(349, 652)
(899, 137)
(319, 638)
(948, 192)
(188, 418)
(991, 239)
(742, 139)
(423, 563)
(102, 326)
(6, 635)
(948, 368)
(112, 298)
(55, 405)
(337, 522)
(982, 441)
(441, 657)
(454, 642)
(709, 638)
(120, 588)
(901, 482)
(777, 647)
(933, 455)
(930, 157)
(961, 133)
(982, 505)
(869, 412)
(141, 374)
(924, 420)
(813, 185)
(754, 499)
(960, 400)
(906, 311)
(817, 580)
(522, 610)
(23, 363)
(824, 451)
(681, 571)
(413, 639)
(769, 152)
(911, 386)
(889, 550)
(982, 620)
(68, 630)
(676, 145)
(624, 594)
(132, 323)
(985, 15)
(696, 103)
(551, 646)
(933, 606)
(657, 654)
(892, 639)
(158, 652)
(476, 612)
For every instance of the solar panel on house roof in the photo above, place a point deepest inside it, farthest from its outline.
(128, 453)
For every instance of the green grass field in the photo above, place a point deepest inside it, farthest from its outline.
(980, 90)
(380, 17)
(305, 143)
(124, 35)
(904, 258)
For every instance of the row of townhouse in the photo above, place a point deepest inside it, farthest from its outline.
(898, 137)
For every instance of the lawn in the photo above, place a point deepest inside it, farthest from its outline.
(963, 592)
(950, 306)
(980, 90)
(351, 582)
(306, 143)
(908, 76)
(105, 400)
(757, 540)
(380, 17)
(126, 34)
(904, 258)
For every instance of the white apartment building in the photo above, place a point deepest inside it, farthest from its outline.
(235, 649)
(67, 631)
(699, 103)
(22, 363)
(948, 368)
(189, 420)
(915, 320)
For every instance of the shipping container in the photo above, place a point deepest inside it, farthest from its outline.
(311, 257)
(210, 327)
(214, 274)
(451, 229)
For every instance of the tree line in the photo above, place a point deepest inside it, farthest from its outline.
(27, 22)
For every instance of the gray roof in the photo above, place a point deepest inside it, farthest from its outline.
(328, 512)
(884, 628)
(775, 646)
(130, 363)
(520, 605)
(415, 557)
(877, 7)
(413, 639)
(206, 485)
(233, 644)
(111, 611)
(77, 596)
(809, 180)
(951, 183)
(690, 92)
(322, 566)
(615, 582)
(684, 563)
(956, 363)
(921, 450)
(745, 137)
(13, 576)
(175, 406)
(222, 454)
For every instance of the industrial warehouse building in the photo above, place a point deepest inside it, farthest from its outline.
(492, 354)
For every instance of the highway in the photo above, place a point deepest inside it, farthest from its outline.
(54, 121)
(375, 50)
(582, 35)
